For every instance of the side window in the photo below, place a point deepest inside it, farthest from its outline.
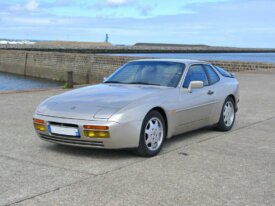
(212, 75)
(195, 73)
(224, 72)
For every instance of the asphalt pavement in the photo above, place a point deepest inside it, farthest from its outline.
(203, 167)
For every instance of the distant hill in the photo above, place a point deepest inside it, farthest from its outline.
(170, 45)
(102, 47)
(184, 46)
(73, 43)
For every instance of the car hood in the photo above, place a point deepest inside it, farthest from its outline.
(94, 102)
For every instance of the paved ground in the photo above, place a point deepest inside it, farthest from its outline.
(199, 168)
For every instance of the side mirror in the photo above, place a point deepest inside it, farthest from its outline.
(104, 79)
(195, 85)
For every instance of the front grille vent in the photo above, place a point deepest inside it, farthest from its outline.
(60, 139)
(63, 124)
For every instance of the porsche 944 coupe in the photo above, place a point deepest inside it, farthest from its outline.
(140, 105)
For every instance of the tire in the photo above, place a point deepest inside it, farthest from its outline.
(152, 134)
(227, 116)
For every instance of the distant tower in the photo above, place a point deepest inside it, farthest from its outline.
(107, 38)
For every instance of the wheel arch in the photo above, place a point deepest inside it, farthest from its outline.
(234, 99)
(163, 113)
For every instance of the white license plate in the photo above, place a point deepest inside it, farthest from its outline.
(69, 131)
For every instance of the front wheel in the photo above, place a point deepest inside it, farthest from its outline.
(227, 116)
(152, 135)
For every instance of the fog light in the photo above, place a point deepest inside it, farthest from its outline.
(89, 133)
(96, 131)
(96, 134)
(103, 134)
(39, 124)
(40, 127)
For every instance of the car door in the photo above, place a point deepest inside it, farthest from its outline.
(196, 106)
(217, 90)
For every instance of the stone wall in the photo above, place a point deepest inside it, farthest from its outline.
(87, 68)
(236, 66)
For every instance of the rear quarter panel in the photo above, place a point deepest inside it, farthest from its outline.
(224, 88)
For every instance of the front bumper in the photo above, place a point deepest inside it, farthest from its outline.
(122, 135)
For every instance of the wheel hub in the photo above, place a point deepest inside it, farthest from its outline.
(153, 134)
(228, 113)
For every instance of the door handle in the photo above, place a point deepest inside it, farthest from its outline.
(210, 92)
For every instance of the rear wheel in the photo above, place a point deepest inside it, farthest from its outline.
(152, 135)
(227, 116)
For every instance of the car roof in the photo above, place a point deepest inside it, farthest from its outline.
(185, 61)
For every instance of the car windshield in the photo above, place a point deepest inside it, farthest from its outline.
(148, 73)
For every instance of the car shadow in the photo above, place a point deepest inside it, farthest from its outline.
(195, 135)
(189, 138)
(90, 152)
(169, 145)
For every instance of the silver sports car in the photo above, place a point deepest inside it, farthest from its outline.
(140, 105)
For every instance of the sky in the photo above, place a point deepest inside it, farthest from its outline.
(237, 23)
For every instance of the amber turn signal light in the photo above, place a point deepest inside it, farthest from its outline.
(94, 127)
(38, 121)
(39, 124)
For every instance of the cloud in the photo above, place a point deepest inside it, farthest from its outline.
(118, 3)
(33, 21)
(145, 10)
(15, 7)
(136, 8)
(231, 23)
(31, 5)
(63, 2)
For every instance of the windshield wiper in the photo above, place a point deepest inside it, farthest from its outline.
(115, 82)
(145, 83)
